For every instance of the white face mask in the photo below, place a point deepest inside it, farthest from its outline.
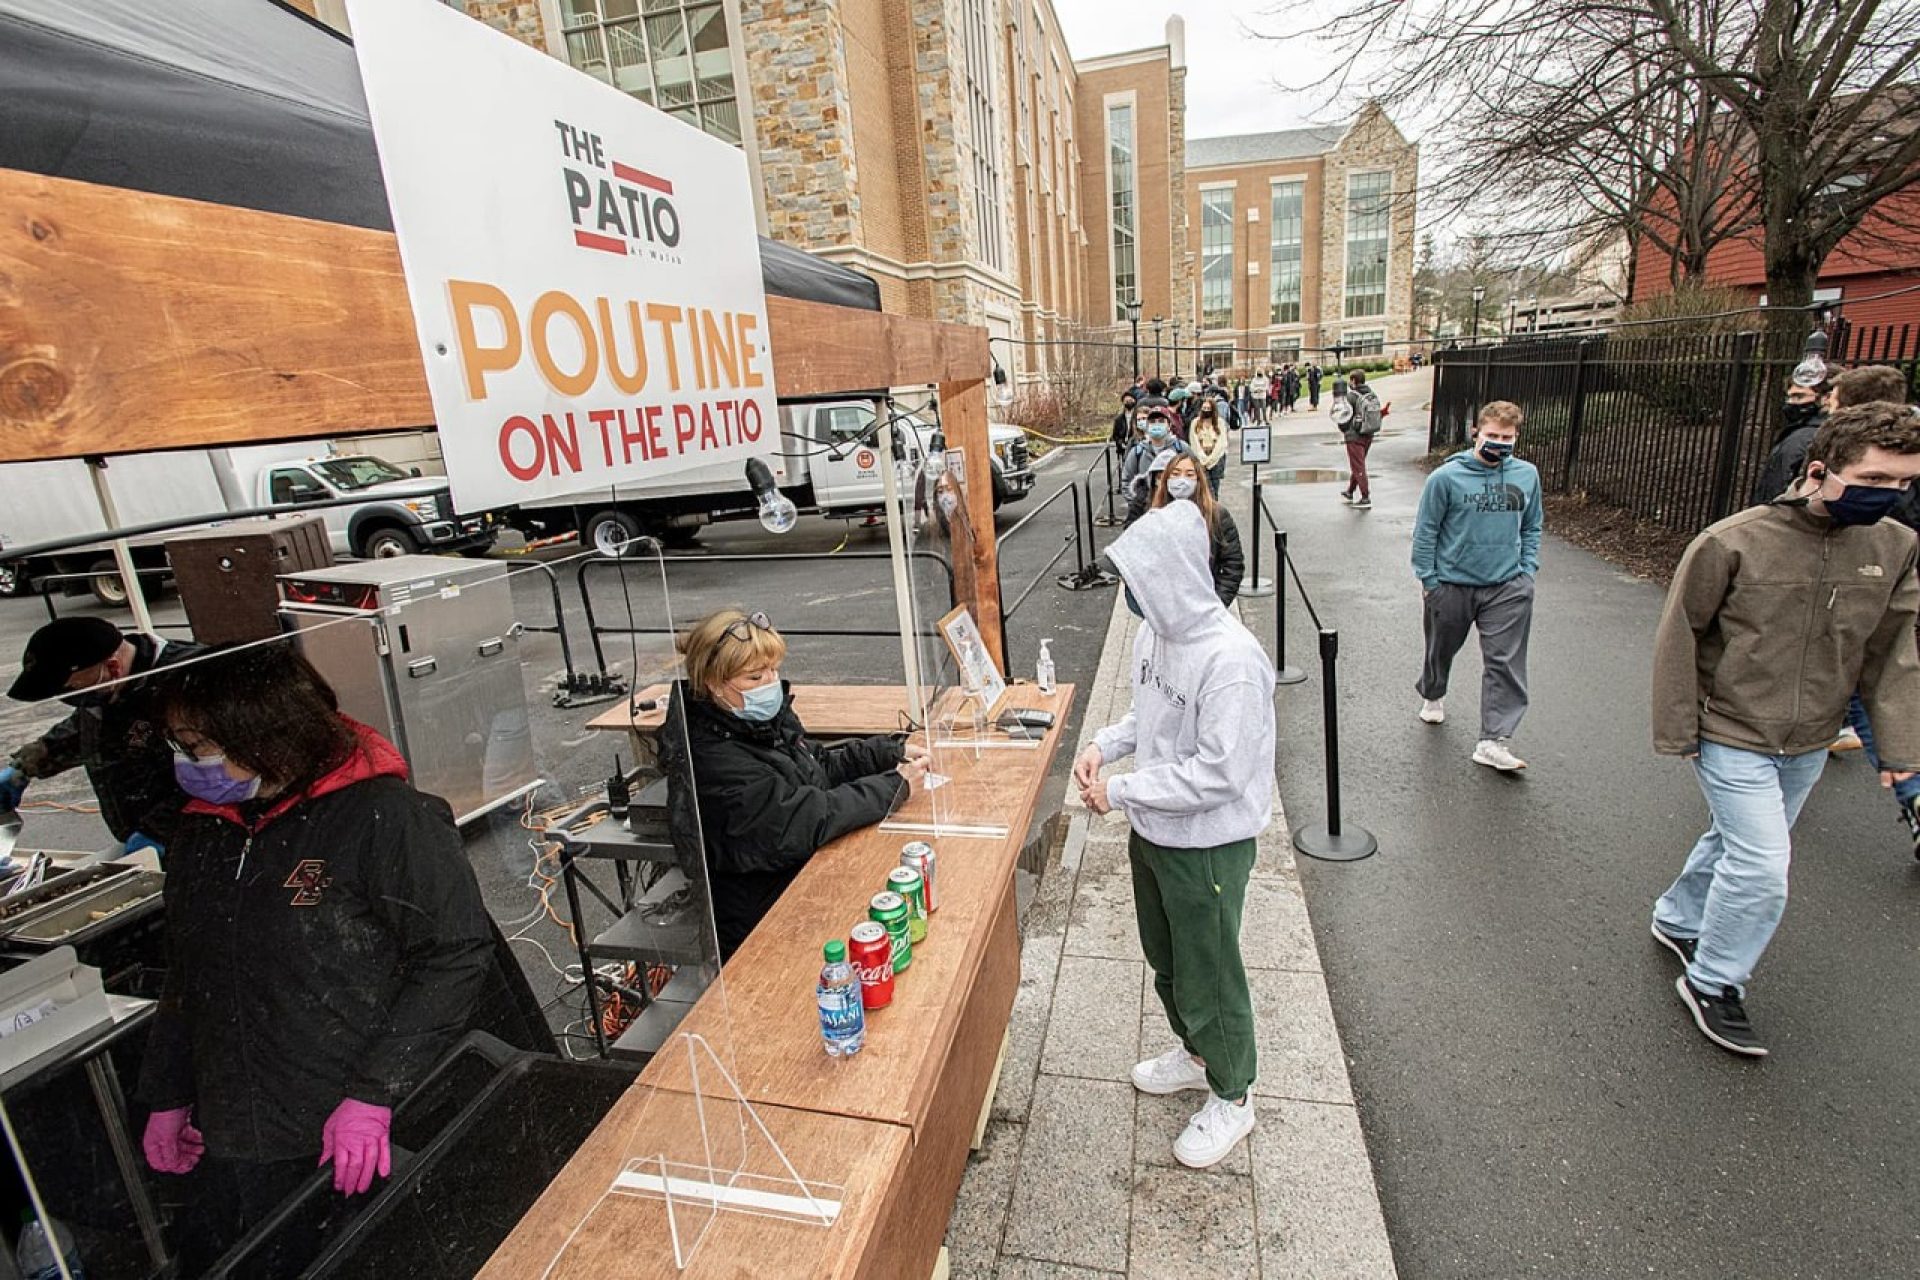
(1181, 486)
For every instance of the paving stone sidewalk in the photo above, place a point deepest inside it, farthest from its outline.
(1076, 1177)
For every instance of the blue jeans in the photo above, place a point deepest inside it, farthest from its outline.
(1904, 792)
(1734, 887)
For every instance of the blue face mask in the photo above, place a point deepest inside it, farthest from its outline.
(207, 779)
(1496, 450)
(1863, 504)
(1156, 431)
(763, 702)
(1133, 605)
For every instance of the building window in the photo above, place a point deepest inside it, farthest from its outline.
(1284, 350)
(1122, 198)
(1369, 214)
(1288, 222)
(669, 53)
(1216, 358)
(1216, 259)
(1367, 342)
(984, 116)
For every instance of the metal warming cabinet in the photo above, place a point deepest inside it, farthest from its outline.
(424, 649)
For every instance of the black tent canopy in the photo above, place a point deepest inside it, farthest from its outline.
(238, 102)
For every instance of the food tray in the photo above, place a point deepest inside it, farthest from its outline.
(95, 900)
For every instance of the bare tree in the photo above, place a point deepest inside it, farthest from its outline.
(1685, 123)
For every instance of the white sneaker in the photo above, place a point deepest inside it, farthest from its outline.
(1494, 754)
(1214, 1131)
(1171, 1072)
(1432, 712)
(1848, 740)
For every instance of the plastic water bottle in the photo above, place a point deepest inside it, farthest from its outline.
(1043, 670)
(843, 1019)
(34, 1253)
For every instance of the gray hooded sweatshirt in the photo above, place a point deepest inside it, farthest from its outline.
(1201, 725)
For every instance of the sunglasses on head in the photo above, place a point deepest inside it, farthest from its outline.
(743, 630)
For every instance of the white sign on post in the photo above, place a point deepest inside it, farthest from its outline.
(584, 269)
(1255, 444)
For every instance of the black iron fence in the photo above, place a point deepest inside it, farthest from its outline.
(1674, 429)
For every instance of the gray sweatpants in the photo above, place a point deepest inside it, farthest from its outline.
(1504, 615)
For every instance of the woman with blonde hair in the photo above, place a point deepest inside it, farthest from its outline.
(767, 796)
(1182, 478)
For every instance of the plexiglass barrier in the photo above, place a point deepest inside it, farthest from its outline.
(364, 919)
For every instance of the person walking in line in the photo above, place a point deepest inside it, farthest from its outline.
(1293, 389)
(1182, 479)
(1275, 391)
(1360, 428)
(1776, 616)
(1136, 482)
(1257, 391)
(1476, 548)
(1201, 732)
(1313, 386)
(1123, 424)
(1209, 441)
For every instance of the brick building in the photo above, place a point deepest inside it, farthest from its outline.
(1303, 238)
(957, 153)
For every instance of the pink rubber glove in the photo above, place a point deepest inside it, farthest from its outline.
(355, 1139)
(171, 1142)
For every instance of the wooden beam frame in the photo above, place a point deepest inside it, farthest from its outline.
(132, 322)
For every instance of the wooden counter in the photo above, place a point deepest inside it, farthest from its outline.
(902, 1112)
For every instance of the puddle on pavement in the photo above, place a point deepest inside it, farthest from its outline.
(1301, 475)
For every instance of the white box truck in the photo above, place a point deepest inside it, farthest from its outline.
(825, 461)
(397, 513)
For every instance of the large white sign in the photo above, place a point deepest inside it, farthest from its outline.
(584, 269)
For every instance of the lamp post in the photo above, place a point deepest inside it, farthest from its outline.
(1133, 318)
(1479, 295)
(1176, 349)
(1533, 316)
(1157, 322)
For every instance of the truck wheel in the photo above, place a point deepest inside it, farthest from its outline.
(609, 533)
(386, 542)
(107, 587)
(13, 579)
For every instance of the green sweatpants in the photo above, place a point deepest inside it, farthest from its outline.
(1189, 903)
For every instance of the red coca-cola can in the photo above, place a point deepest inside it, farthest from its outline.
(870, 951)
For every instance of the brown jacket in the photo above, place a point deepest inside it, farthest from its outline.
(1774, 618)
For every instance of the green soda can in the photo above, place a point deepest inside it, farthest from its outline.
(906, 882)
(891, 911)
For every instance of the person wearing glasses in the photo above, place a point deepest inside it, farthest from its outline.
(329, 946)
(103, 675)
(767, 795)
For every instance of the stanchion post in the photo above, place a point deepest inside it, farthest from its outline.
(1329, 841)
(1282, 673)
(1256, 585)
(1109, 520)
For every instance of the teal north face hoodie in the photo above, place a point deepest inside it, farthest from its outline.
(1479, 522)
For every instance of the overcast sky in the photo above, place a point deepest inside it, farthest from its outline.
(1231, 76)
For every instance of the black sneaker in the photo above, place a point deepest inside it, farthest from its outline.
(1721, 1019)
(1910, 814)
(1682, 947)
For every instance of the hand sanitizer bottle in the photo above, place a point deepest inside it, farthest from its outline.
(1043, 670)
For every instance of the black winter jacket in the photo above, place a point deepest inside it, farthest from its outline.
(332, 946)
(1228, 561)
(768, 798)
(118, 738)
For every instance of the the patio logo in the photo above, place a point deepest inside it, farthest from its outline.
(616, 207)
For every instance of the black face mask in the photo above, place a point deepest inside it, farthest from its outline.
(1801, 415)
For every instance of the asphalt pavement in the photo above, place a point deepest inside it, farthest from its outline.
(1535, 1099)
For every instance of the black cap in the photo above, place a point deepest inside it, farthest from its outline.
(59, 649)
